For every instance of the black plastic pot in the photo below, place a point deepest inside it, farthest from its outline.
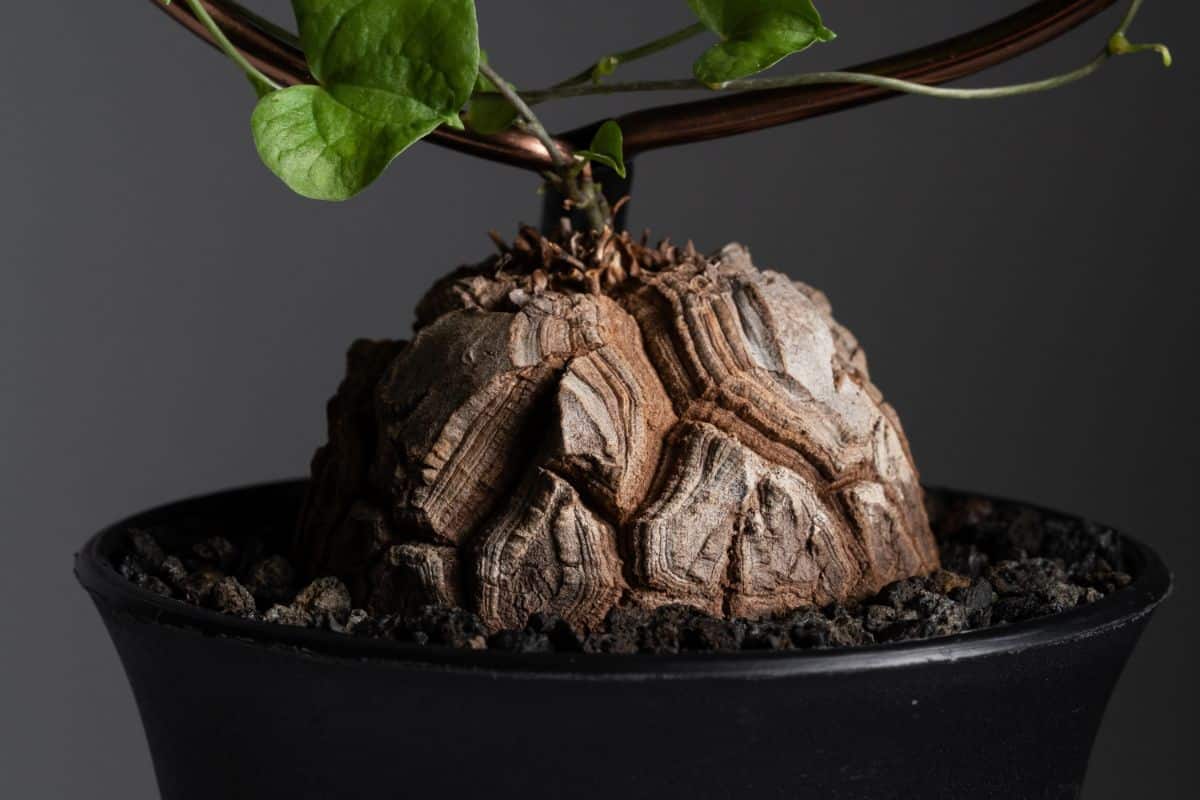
(239, 709)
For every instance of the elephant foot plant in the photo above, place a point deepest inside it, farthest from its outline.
(586, 421)
(589, 421)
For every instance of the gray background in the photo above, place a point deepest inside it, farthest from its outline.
(1022, 274)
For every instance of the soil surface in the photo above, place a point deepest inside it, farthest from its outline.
(1001, 564)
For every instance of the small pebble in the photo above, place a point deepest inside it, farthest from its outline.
(452, 627)
(977, 600)
(173, 571)
(217, 551)
(349, 623)
(767, 635)
(944, 581)
(229, 596)
(147, 549)
(198, 585)
(879, 617)
(271, 580)
(156, 585)
(132, 569)
(325, 596)
(288, 615)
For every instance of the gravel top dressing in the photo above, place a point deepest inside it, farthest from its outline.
(1002, 563)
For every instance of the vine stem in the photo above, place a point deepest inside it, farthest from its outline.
(822, 78)
(1134, 7)
(606, 66)
(235, 55)
(578, 185)
(1117, 45)
(531, 119)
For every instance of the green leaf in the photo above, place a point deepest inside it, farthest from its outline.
(425, 50)
(756, 34)
(488, 111)
(325, 150)
(390, 72)
(608, 148)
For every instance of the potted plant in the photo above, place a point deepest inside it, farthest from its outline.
(621, 518)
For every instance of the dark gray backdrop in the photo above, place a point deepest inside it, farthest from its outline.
(1022, 274)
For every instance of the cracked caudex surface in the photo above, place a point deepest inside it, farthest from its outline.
(590, 421)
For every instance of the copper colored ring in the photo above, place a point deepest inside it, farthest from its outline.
(711, 118)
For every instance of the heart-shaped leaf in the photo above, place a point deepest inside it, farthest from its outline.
(325, 150)
(390, 72)
(756, 34)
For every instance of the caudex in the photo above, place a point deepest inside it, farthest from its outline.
(586, 420)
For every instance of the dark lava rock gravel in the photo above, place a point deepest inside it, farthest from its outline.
(1001, 564)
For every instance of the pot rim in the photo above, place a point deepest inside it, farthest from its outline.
(1152, 584)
